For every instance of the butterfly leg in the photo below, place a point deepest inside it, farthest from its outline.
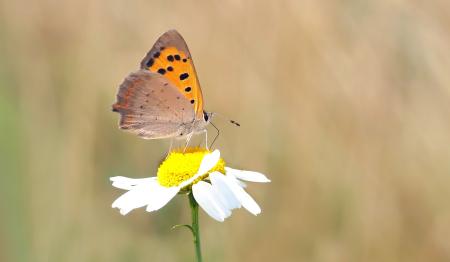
(170, 147)
(187, 141)
(206, 139)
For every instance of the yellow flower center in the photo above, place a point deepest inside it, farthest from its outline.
(180, 166)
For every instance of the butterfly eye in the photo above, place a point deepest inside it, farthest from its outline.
(205, 116)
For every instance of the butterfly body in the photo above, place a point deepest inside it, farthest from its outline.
(163, 99)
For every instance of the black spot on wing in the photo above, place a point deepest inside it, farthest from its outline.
(184, 76)
(150, 62)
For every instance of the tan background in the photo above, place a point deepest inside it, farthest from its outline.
(345, 105)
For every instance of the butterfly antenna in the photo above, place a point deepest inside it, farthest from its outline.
(235, 123)
(230, 120)
(218, 133)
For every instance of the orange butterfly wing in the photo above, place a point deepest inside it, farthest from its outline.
(171, 58)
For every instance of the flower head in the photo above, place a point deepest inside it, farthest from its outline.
(216, 188)
(180, 166)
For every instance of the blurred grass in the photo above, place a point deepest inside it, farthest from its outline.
(344, 104)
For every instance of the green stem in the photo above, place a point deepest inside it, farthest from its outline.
(195, 227)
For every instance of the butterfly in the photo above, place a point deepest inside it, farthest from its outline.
(163, 99)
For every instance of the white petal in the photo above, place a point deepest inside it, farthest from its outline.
(209, 161)
(223, 191)
(245, 199)
(161, 196)
(128, 183)
(237, 181)
(205, 197)
(250, 176)
(146, 192)
(140, 195)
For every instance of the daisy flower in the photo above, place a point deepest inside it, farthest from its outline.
(202, 174)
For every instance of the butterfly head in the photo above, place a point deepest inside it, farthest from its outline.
(207, 117)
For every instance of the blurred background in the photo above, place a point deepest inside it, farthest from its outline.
(345, 105)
